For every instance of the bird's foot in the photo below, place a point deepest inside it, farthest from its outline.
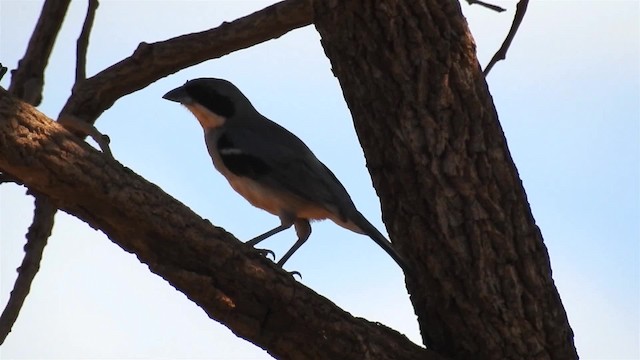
(294, 273)
(266, 253)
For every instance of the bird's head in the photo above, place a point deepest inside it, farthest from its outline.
(212, 101)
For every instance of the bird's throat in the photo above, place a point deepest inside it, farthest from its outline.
(206, 118)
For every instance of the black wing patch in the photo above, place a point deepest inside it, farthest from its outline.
(240, 163)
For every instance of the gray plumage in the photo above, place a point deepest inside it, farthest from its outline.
(269, 166)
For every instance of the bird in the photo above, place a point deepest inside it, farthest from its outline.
(270, 166)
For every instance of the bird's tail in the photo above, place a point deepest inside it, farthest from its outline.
(368, 229)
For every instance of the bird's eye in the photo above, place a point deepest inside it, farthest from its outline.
(212, 100)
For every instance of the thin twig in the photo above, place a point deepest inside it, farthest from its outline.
(37, 236)
(487, 5)
(83, 41)
(83, 128)
(501, 54)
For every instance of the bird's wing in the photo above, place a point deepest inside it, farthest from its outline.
(270, 154)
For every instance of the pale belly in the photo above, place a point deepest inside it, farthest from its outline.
(276, 202)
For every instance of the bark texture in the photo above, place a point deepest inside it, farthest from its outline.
(452, 199)
(230, 281)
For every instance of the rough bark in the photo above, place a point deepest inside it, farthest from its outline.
(451, 196)
(232, 282)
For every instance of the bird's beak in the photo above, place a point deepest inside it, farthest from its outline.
(178, 94)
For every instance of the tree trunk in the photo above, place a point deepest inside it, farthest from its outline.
(451, 196)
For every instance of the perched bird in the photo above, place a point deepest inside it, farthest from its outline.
(269, 166)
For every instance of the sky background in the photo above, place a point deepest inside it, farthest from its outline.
(568, 98)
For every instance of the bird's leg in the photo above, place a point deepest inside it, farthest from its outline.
(257, 239)
(285, 223)
(303, 229)
(284, 226)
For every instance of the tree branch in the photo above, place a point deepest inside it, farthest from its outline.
(37, 236)
(151, 62)
(82, 44)
(71, 122)
(28, 79)
(487, 5)
(501, 54)
(232, 282)
(27, 82)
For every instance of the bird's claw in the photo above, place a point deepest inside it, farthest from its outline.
(266, 253)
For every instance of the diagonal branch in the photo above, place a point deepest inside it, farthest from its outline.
(232, 282)
(37, 236)
(501, 54)
(28, 79)
(151, 62)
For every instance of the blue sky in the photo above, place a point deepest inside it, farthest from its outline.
(568, 97)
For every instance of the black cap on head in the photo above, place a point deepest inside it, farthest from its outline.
(216, 95)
